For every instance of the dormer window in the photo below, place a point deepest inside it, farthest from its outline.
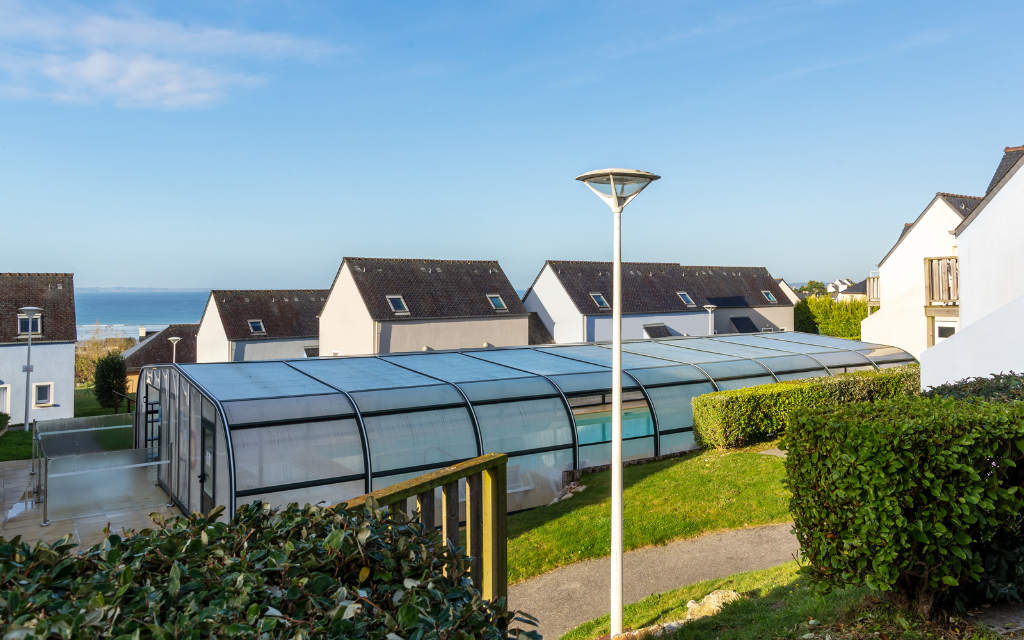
(685, 297)
(23, 325)
(600, 301)
(398, 305)
(496, 302)
(768, 295)
(256, 327)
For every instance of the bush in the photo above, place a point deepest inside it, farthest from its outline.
(91, 349)
(897, 494)
(1000, 387)
(5, 420)
(829, 317)
(309, 572)
(111, 380)
(734, 418)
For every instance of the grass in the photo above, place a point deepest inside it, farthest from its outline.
(663, 501)
(16, 445)
(86, 405)
(777, 605)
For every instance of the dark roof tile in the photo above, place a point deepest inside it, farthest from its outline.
(286, 313)
(737, 286)
(1010, 157)
(54, 293)
(156, 349)
(539, 334)
(963, 205)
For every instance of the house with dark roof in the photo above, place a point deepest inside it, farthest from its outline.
(659, 300)
(53, 345)
(261, 324)
(858, 291)
(990, 279)
(156, 348)
(919, 310)
(382, 305)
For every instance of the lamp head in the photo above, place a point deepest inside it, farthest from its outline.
(617, 187)
(173, 340)
(30, 312)
(710, 307)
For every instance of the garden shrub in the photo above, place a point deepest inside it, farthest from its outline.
(999, 387)
(111, 380)
(5, 420)
(297, 572)
(737, 417)
(897, 494)
(830, 317)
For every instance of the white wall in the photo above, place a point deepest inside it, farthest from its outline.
(51, 363)
(555, 308)
(694, 323)
(992, 254)
(457, 333)
(989, 345)
(271, 349)
(345, 324)
(775, 318)
(901, 321)
(212, 341)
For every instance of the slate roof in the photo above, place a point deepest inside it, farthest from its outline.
(1010, 157)
(286, 313)
(538, 333)
(54, 293)
(157, 350)
(859, 288)
(658, 330)
(433, 289)
(963, 205)
(736, 286)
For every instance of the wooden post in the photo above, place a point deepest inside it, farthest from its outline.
(425, 503)
(450, 512)
(495, 534)
(475, 527)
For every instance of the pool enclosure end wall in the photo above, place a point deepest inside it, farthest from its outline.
(329, 429)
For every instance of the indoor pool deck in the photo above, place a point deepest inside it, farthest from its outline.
(127, 507)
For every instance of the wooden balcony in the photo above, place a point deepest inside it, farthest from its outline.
(942, 286)
(874, 293)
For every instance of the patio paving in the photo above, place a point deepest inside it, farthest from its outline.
(81, 505)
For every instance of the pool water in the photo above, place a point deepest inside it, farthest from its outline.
(597, 427)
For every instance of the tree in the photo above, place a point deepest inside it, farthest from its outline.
(813, 288)
(803, 318)
(111, 380)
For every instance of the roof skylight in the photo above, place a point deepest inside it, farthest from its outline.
(600, 301)
(496, 302)
(685, 297)
(256, 326)
(398, 305)
(769, 296)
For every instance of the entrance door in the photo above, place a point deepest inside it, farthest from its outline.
(206, 477)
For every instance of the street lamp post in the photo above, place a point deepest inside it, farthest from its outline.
(174, 348)
(617, 187)
(30, 313)
(710, 308)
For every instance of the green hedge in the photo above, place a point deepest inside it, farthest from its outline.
(897, 494)
(830, 317)
(298, 572)
(1000, 387)
(735, 418)
(5, 420)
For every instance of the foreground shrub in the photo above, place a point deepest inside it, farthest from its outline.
(897, 494)
(734, 418)
(308, 572)
(111, 380)
(999, 387)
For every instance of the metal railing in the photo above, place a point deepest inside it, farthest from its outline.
(942, 281)
(486, 532)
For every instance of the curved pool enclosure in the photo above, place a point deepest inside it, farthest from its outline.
(329, 429)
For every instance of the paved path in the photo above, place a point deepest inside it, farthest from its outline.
(565, 598)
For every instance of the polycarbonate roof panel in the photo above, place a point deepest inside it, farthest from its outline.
(536, 361)
(788, 364)
(600, 355)
(824, 341)
(887, 354)
(675, 354)
(727, 348)
(251, 380)
(590, 382)
(781, 344)
(678, 374)
(514, 389)
(361, 374)
(279, 409)
(455, 367)
(734, 369)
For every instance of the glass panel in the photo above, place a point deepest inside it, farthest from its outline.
(676, 442)
(801, 375)
(886, 354)
(842, 360)
(736, 368)
(172, 432)
(727, 348)
(741, 383)
(534, 480)
(668, 375)
(103, 483)
(590, 382)
(410, 398)
(329, 494)
(223, 468)
(507, 389)
(536, 361)
(289, 454)
(272, 410)
(454, 367)
(787, 364)
(667, 350)
(181, 445)
(597, 454)
(249, 380)
(602, 355)
(672, 404)
(517, 426)
(437, 437)
(194, 435)
(359, 374)
(758, 340)
(824, 341)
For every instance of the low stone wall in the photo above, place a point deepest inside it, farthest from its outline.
(574, 475)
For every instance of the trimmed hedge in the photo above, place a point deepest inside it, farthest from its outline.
(735, 418)
(298, 572)
(899, 494)
(830, 317)
(1000, 387)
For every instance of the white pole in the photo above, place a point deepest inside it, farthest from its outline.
(174, 352)
(28, 375)
(616, 613)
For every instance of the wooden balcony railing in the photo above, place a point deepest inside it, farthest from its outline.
(874, 294)
(486, 533)
(941, 281)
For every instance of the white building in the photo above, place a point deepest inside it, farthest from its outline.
(839, 285)
(918, 310)
(378, 305)
(265, 324)
(659, 300)
(787, 290)
(990, 243)
(53, 345)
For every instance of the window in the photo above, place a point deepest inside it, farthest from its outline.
(497, 303)
(398, 305)
(5, 398)
(600, 301)
(769, 296)
(946, 332)
(685, 297)
(37, 323)
(44, 394)
(256, 326)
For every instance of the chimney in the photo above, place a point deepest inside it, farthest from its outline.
(142, 333)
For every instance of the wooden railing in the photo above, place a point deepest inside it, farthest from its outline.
(941, 281)
(874, 293)
(486, 502)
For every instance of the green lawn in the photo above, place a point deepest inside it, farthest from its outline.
(86, 405)
(779, 605)
(663, 501)
(16, 445)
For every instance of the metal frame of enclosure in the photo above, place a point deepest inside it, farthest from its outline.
(330, 429)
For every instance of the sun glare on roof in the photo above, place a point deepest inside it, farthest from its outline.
(599, 300)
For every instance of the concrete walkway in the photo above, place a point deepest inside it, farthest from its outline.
(566, 598)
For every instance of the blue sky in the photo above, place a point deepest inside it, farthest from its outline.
(253, 144)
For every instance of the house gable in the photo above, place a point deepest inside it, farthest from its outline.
(54, 293)
(346, 327)
(211, 342)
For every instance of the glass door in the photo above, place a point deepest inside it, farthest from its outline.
(206, 477)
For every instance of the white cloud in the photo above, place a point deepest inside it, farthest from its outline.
(131, 61)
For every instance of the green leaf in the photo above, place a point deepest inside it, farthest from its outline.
(950, 580)
(408, 616)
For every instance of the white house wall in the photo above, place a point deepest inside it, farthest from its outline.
(463, 333)
(599, 328)
(901, 321)
(555, 308)
(53, 363)
(211, 340)
(271, 349)
(991, 253)
(346, 327)
(774, 318)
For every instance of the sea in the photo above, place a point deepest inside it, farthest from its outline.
(105, 314)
